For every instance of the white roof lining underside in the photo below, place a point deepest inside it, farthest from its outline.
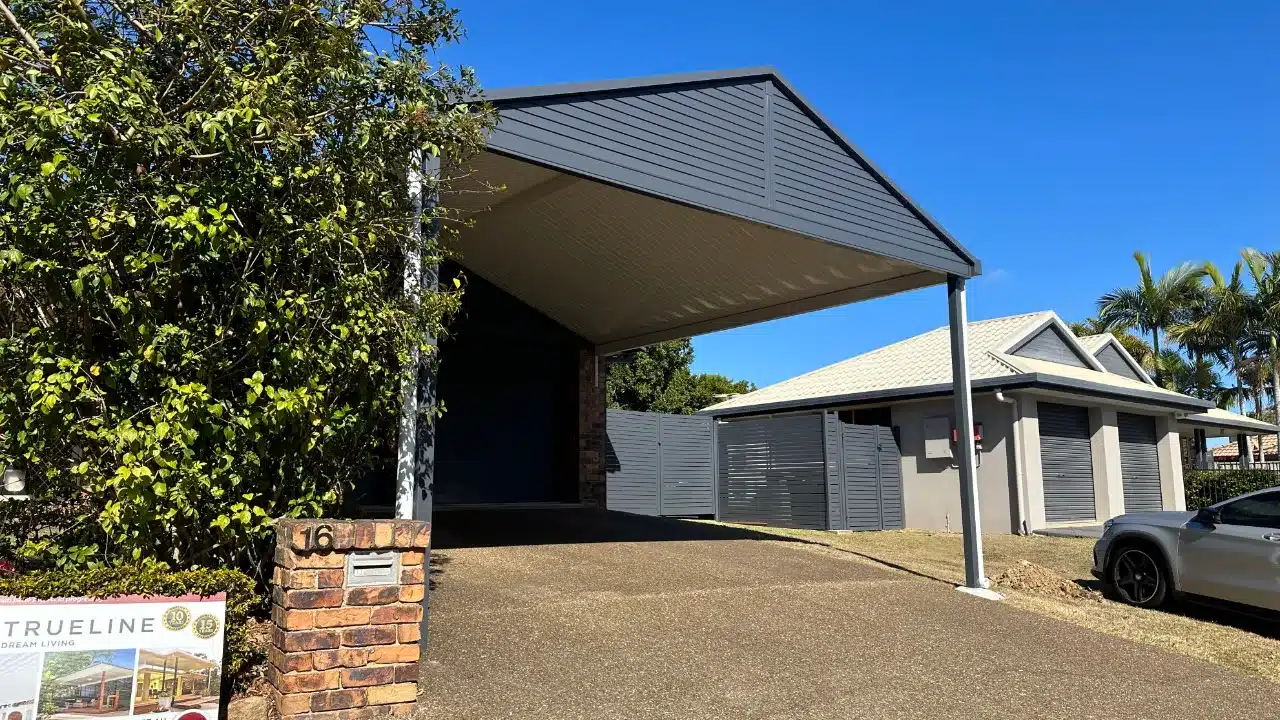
(622, 269)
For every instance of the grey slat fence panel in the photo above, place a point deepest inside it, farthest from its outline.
(773, 471)
(862, 477)
(836, 519)
(872, 478)
(1139, 463)
(1066, 459)
(688, 482)
(889, 457)
(631, 462)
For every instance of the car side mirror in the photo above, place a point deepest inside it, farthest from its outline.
(1209, 516)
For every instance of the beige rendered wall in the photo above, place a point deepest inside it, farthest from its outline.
(1105, 447)
(1172, 490)
(931, 487)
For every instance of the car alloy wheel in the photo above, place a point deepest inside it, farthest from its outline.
(1136, 576)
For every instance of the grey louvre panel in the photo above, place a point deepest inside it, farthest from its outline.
(1139, 462)
(772, 471)
(861, 477)
(1066, 460)
(835, 475)
(686, 453)
(1115, 363)
(1050, 344)
(873, 478)
(890, 459)
(631, 462)
(740, 146)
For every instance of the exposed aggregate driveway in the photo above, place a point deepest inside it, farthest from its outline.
(572, 613)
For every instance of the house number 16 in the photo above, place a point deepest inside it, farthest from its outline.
(318, 538)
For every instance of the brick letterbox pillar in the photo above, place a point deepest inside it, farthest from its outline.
(345, 646)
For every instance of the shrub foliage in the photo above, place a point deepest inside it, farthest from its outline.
(151, 580)
(1206, 487)
(203, 221)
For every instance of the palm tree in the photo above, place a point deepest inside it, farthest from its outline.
(1264, 269)
(1197, 378)
(1218, 323)
(1153, 305)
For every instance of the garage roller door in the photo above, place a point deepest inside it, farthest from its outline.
(1139, 462)
(773, 471)
(1066, 460)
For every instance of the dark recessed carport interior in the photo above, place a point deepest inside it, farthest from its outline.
(508, 382)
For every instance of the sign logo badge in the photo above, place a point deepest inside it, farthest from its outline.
(206, 626)
(176, 618)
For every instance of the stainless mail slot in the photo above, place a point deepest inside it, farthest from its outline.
(373, 568)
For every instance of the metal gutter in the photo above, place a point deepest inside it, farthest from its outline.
(1209, 420)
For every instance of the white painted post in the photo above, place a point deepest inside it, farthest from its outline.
(974, 575)
(406, 445)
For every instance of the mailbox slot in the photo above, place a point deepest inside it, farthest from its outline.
(373, 568)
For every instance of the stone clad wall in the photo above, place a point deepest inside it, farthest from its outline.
(592, 404)
(341, 652)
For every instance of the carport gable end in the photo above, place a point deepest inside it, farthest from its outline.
(738, 142)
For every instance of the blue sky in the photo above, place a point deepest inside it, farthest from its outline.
(1052, 139)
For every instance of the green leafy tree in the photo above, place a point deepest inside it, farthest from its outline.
(1153, 304)
(657, 378)
(689, 393)
(639, 378)
(203, 226)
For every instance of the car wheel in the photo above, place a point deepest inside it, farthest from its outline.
(1137, 576)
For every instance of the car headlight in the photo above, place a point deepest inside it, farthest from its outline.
(1106, 525)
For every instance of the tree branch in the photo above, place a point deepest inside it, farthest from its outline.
(26, 36)
(144, 33)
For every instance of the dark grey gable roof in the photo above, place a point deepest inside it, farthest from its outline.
(1114, 362)
(1050, 344)
(742, 143)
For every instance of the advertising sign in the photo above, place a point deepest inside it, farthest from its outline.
(158, 658)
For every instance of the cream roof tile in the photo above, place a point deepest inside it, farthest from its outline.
(925, 360)
(1094, 343)
(915, 362)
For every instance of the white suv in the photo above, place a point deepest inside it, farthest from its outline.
(1229, 551)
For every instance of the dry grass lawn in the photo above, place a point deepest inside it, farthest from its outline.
(1051, 576)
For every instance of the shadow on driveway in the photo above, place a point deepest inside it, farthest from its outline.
(498, 527)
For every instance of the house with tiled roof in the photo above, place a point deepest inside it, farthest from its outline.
(1071, 431)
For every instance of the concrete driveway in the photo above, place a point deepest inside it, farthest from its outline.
(586, 614)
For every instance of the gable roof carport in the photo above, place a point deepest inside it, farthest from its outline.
(644, 210)
(637, 211)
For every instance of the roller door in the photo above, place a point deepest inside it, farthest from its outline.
(1139, 463)
(1066, 460)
